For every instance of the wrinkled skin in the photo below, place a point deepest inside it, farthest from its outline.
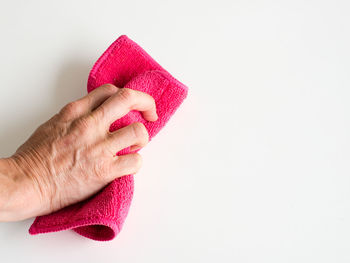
(72, 155)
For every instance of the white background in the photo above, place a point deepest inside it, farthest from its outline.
(254, 167)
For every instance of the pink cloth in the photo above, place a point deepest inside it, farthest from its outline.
(124, 64)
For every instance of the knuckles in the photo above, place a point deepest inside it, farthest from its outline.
(70, 110)
(83, 125)
(85, 122)
(126, 94)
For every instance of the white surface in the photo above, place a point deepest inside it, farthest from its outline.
(254, 167)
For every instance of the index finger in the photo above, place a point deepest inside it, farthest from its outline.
(123, 101)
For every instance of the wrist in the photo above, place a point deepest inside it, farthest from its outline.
(7, 188)
(12, 191)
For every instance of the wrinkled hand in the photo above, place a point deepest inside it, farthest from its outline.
(72, 155)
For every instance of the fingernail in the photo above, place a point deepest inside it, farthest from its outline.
(135, 148)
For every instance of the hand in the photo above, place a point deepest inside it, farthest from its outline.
(72, 155)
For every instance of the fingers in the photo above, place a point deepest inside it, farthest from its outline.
(123, 101)
(125, 165)
(88, 103)
(134, 135)
(96, 97)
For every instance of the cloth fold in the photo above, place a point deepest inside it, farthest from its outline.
(124, 64)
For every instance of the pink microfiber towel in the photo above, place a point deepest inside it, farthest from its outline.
(124, 64)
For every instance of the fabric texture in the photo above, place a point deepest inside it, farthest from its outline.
(124, 64)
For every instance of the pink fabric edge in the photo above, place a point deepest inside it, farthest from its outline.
(83, 222)
(110, 50)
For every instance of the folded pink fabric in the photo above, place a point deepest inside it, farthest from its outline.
(124, 64)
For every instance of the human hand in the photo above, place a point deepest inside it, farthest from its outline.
(72, 156)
